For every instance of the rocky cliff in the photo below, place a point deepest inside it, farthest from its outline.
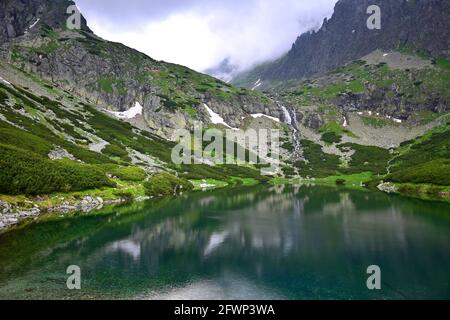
(19, 17)
(34, 38)
(421, 25)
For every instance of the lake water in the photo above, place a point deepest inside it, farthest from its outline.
(282, 242)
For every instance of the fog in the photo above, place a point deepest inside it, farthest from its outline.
(201, 34)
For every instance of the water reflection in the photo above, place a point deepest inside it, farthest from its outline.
(266, 242)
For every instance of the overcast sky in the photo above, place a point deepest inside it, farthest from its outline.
(202, 33)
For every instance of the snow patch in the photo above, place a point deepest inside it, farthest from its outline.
(215, 118)
(131, 113)
(3, 80)
(34, 24)
(260, 115)
(385, 55)
(397, 120)
(257, 84)
(345, 122)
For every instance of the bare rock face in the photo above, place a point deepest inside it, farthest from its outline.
(314, 121)
(18, 17)
(420, 25)
(59, 153)
(112, 76)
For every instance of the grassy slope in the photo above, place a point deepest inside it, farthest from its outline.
(31, 126)
(179, 87)
(422, 166)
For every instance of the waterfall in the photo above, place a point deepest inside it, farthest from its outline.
(287, 116)
(290, 118)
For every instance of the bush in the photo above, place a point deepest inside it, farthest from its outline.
(434, 172)
(163, 184)
(25, 140)
(331, 137)
(23, 172)
(114, 150)
(124, 173)
(220, 172)
(340, 182)
(320, 164)
(436, 147)
(366, 158)
(288, 171)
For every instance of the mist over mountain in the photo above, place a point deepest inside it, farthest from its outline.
(421, 25)
(224, 71)
(200, 34)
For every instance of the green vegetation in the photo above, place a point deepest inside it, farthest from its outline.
(26, 173)
(424, 160)
(376, 122)
(348, 180)
(380, 82)
(366, 158)
(164, 184)
(433, 146)
(211, 184)
(435, 172)
(319, 163)
(108, 85)
(424, 191)
(332, 132)
(123, 173)
(113, 150)
(331, 137)
(220, 172)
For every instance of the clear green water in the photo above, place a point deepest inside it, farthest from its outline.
(253, 243)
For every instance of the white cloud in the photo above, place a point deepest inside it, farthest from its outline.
(200, 34)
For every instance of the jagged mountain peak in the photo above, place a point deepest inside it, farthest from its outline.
(18, 17)
(422, 25)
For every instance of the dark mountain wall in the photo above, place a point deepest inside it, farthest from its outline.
(16, 16)
(422, 25)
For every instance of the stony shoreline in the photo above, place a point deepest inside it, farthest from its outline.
(13, 214)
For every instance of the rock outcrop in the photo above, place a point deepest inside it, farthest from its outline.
(421, 25)
(114, 77)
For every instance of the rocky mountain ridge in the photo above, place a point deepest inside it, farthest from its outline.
(115, 77)
(421, 25)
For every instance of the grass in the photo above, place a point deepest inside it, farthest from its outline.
(424, 191)
(432, 146)
(417, 87)
(331, 137)
(375, 122)
(164, 184)
(129, 173)
(332, 132)
(347, 180)
(220, 172)
(211, 184)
